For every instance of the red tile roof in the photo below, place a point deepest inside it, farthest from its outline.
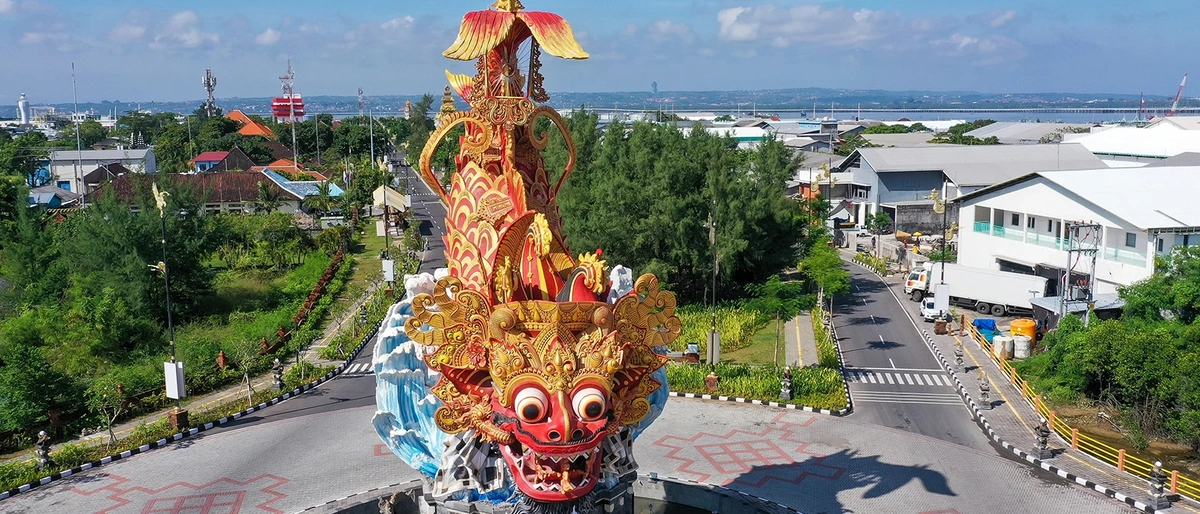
(249, 126)
(211, 187)
(210, 157)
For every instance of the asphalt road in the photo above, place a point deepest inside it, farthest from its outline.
(894, 378)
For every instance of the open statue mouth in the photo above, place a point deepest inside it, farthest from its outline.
(553, 476)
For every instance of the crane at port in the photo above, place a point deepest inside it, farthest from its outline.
(1178, 95)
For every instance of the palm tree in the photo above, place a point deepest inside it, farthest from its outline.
(268, 199)
(322, 201)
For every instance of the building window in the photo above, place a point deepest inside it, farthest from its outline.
(1030, 221)
(1131, 239)
(1160, 245)
(1016, 220)
(1050, 226)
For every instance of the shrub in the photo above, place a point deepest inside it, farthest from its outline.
(812, 386)
(827, 353)
(736, 323)
(74, 455)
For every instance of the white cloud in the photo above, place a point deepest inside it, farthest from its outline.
(671, 30)
(6, 6)
(267, 38)
(734, 29)
(403, 22)
(43, 38)
(999, 19)
(126, 32)
(957, 42)
(782, 27)
(183, 30)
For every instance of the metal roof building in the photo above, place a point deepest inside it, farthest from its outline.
(1023, 133)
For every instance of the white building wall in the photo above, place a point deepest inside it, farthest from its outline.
(1050, 207)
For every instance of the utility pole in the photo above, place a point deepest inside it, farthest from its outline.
(1082, 244)
(78, 143)
(371, 131)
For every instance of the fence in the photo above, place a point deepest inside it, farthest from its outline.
(1116, 457)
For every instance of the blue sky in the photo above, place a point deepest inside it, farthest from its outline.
(142, 50)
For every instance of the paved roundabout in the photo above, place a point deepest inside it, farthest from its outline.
(815, 463)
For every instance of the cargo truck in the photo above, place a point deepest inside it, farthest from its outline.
(986, 291)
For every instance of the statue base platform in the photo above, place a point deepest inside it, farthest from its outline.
(643, 495)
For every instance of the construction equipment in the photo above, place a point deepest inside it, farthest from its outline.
(1178, 95)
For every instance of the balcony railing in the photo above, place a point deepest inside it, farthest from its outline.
(1046, 240)
(983, 227)
(1133, 258)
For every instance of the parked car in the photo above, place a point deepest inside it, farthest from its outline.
(928, 311)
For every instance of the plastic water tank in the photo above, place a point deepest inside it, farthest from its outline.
(1024, 327)
(1022, 345)
(1001, 345)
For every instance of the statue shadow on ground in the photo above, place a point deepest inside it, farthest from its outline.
(813, 485)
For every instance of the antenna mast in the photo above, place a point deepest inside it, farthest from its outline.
(210, 84)
(288, 80)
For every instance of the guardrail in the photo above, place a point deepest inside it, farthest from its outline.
(1119, 458)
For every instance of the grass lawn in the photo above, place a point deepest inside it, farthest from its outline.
(761, 348)
(366, 266)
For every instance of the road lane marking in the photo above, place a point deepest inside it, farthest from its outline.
(893, 362)
(888, 377)
(930, 380)
(917, 378)
(873, 320)
(908, 378)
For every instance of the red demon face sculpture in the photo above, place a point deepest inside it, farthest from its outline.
(545, 381)
(556, 455)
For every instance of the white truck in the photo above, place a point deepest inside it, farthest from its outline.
(987, 291)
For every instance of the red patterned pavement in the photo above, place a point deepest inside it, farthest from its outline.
(749, 458)
(221, 496)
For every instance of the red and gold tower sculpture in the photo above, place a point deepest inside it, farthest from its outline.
(532, 356)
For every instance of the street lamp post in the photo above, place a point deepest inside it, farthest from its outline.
(178, 417)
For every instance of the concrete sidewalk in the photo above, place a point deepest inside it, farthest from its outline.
(801, 342)
(1013, 418)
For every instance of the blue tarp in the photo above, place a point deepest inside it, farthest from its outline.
(985, 324)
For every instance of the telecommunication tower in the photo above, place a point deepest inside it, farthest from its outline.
(210, 84)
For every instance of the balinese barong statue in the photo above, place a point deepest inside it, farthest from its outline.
(524, 374)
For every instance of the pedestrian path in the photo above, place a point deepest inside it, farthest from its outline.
(925, 378)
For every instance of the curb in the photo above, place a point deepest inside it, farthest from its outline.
(1023, 455)
(736, 399)
(657, 478)
(193, 431)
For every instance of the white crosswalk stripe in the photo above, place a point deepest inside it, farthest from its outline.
(906, 397)
(897, 378)
(361, 368)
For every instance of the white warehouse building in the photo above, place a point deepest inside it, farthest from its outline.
(1020, 225)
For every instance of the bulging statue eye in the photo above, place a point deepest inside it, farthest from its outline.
(531, 404)
(589, 404)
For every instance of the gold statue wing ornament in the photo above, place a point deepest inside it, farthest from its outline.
(482, 31)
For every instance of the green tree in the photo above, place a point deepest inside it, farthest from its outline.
(879, 222)
(778, 299)
(849, 145)
(421, 124)
(106, 399)
(888, 129)
(23, 157)
(30, 389)
(268, 200)
(91, 132)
